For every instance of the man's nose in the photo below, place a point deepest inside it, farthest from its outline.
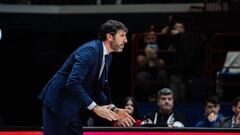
(125, 40)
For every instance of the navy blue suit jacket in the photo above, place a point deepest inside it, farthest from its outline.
(76, 83)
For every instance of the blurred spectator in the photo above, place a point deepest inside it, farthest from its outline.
(150, 65)
(186, 50)
(212, 114)
(233, 121)
(177, 76)
(165, 116)
(131, 104)
(178, 27)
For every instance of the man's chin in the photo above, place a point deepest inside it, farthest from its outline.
(119, 50)
(167, 108)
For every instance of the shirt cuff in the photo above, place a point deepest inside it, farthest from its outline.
(91, 106)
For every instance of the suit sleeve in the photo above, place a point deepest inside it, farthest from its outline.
(84, 59)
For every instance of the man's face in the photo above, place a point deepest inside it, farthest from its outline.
(212, 108)
(118, 41)
(179, 27)
(236, 109)
(150, 38)
(165, 103)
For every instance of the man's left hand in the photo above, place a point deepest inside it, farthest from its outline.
(124, 118)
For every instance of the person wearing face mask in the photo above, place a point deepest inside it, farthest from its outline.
(165, 116)
(150, 65)
(131, 105)
(212, 114)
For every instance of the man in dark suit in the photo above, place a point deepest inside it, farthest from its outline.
(81, 83)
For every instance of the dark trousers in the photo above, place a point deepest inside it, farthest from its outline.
(53, 125)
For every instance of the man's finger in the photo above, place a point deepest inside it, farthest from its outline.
(130, 122)
(124, 124)
(131, 119)
(114, 114)
(113, 118)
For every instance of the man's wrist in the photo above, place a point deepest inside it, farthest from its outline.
(90, 107)
(94, 107)
(113, 108)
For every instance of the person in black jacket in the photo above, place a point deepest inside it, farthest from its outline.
(165, 116)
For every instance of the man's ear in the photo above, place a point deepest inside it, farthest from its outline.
(109, 36)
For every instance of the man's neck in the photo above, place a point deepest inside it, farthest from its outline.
(107, 45)
(165, 112)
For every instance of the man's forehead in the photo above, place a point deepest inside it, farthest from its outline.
(121, 31)
(211, 104)
(166, 96)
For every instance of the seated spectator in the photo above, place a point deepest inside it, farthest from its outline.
(185, 60)
(233, 121)
(165, 116)
(150, 65)
(131, 104)
(212, 114)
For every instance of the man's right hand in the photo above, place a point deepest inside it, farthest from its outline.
(104, 112)
(212, 117)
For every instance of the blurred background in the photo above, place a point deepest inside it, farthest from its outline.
(38, 35)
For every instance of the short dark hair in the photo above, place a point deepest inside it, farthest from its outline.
(164, 91)
(112, 27)
(212, 99)
(235, 101)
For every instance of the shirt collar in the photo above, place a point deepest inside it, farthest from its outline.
(105, 52)
(233, 120)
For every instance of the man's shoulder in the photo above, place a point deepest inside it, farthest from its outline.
(179, 115)
(227, 119)
(91, 45)
(150, 115)
(201, 123)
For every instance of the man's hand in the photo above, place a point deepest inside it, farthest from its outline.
(104, 112)
(212, 117)
(124, 118)
(147, 121)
